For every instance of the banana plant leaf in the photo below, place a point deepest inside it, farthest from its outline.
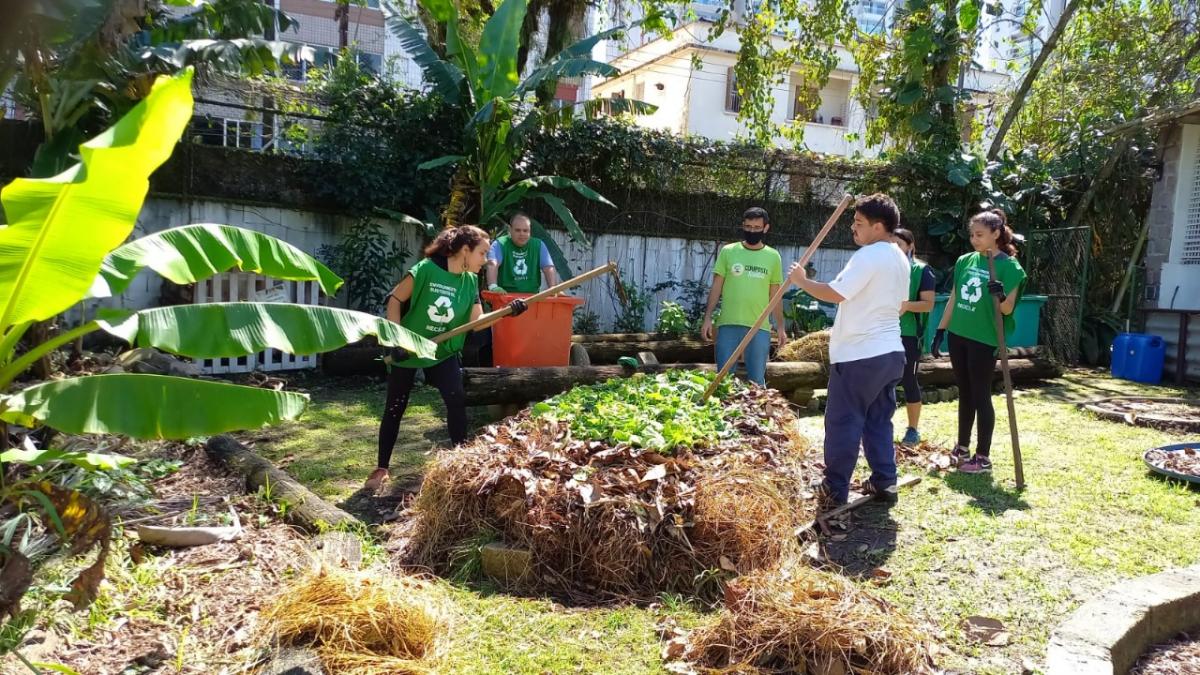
(92, 461)
(561, 264)
(60, 228)
(231, 329)
(497, 55)
(149, 406)
(190, 253)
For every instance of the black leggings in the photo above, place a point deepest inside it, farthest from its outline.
(912, 359)
(974, 367)
(447, 377)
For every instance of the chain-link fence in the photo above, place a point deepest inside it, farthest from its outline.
(1056, 261)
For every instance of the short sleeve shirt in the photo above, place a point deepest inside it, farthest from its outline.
(974, 315)
(749, 275)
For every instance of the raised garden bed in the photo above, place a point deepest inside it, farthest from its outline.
(1148, 411)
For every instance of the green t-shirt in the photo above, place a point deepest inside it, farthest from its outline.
(920, 278)
(520, 271)
(441, 300)
(974, 314)
(748, 275)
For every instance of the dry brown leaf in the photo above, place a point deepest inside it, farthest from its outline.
(985, 629)
(15, 576)
(727, 564)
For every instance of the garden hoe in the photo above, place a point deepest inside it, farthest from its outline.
(492, 317)
(1008, 394)
(778, 297)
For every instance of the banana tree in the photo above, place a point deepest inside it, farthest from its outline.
(63, 243)
(499, 113)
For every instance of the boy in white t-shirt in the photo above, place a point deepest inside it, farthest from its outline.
(866, 354)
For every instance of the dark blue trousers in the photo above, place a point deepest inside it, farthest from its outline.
(862, 400)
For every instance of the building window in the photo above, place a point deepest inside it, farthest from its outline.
(1187, 203)
(733, 100)
(607, 108)
(801, 109)
(371, 63)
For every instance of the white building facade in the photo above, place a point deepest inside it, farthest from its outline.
(704, 101)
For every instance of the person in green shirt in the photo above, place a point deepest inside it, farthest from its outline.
(970, 320)
(746, 275)
(518, 261)
(436, 295)
(912, 320)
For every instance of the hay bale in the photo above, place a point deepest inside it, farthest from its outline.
(745, 518)
(359, 623)
(811, 347)
(804, 620)
(603, 520)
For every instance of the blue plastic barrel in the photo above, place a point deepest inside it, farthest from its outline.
(1138, 357)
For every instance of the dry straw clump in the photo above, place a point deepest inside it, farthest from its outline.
(803, 620)
(359, 623)
(811, 347)
(617, 520)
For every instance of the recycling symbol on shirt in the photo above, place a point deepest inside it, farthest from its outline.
(972, 291)
(438, 316)
(520, 267)
(737, 269)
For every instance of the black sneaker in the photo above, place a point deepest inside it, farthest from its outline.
(887, 495)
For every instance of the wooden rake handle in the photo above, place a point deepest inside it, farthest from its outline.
(492, 317)
(1018, 469)
(777, 298)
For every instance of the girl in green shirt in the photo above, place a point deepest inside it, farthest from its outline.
(912, 320)
(438, 294)
(970, 320)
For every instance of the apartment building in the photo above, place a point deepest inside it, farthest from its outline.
(704, 100)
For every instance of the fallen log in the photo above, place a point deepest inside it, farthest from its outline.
(486, 386)
(305, 508)
(606, 348)
(668, 350)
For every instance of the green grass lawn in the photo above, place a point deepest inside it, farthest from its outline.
(956, 545)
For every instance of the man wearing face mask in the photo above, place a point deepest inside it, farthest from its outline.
(745, 277)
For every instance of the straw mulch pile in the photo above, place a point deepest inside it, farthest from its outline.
(359, 623)
(800, 620)
(811, 347)
(607, 519)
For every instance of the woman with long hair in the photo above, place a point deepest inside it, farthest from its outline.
(436, 295)
(970, 320)
(918, 303)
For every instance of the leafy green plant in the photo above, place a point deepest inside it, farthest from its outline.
(659, 412)
(369, 260)
(672, 320)
(803, 312)
(499, 117)
(62, 243)
(586, 322)
(632, 318)
(80, 65)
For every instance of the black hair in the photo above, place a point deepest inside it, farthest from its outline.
(904, 235)
(879, 207)
(757, 213)
(997, 221)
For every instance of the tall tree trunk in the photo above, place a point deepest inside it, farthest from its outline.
(1035, 68)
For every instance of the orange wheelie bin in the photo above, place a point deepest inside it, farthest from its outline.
(539, 337)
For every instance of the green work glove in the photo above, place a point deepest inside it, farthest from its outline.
(628, 362)
(495, 288)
